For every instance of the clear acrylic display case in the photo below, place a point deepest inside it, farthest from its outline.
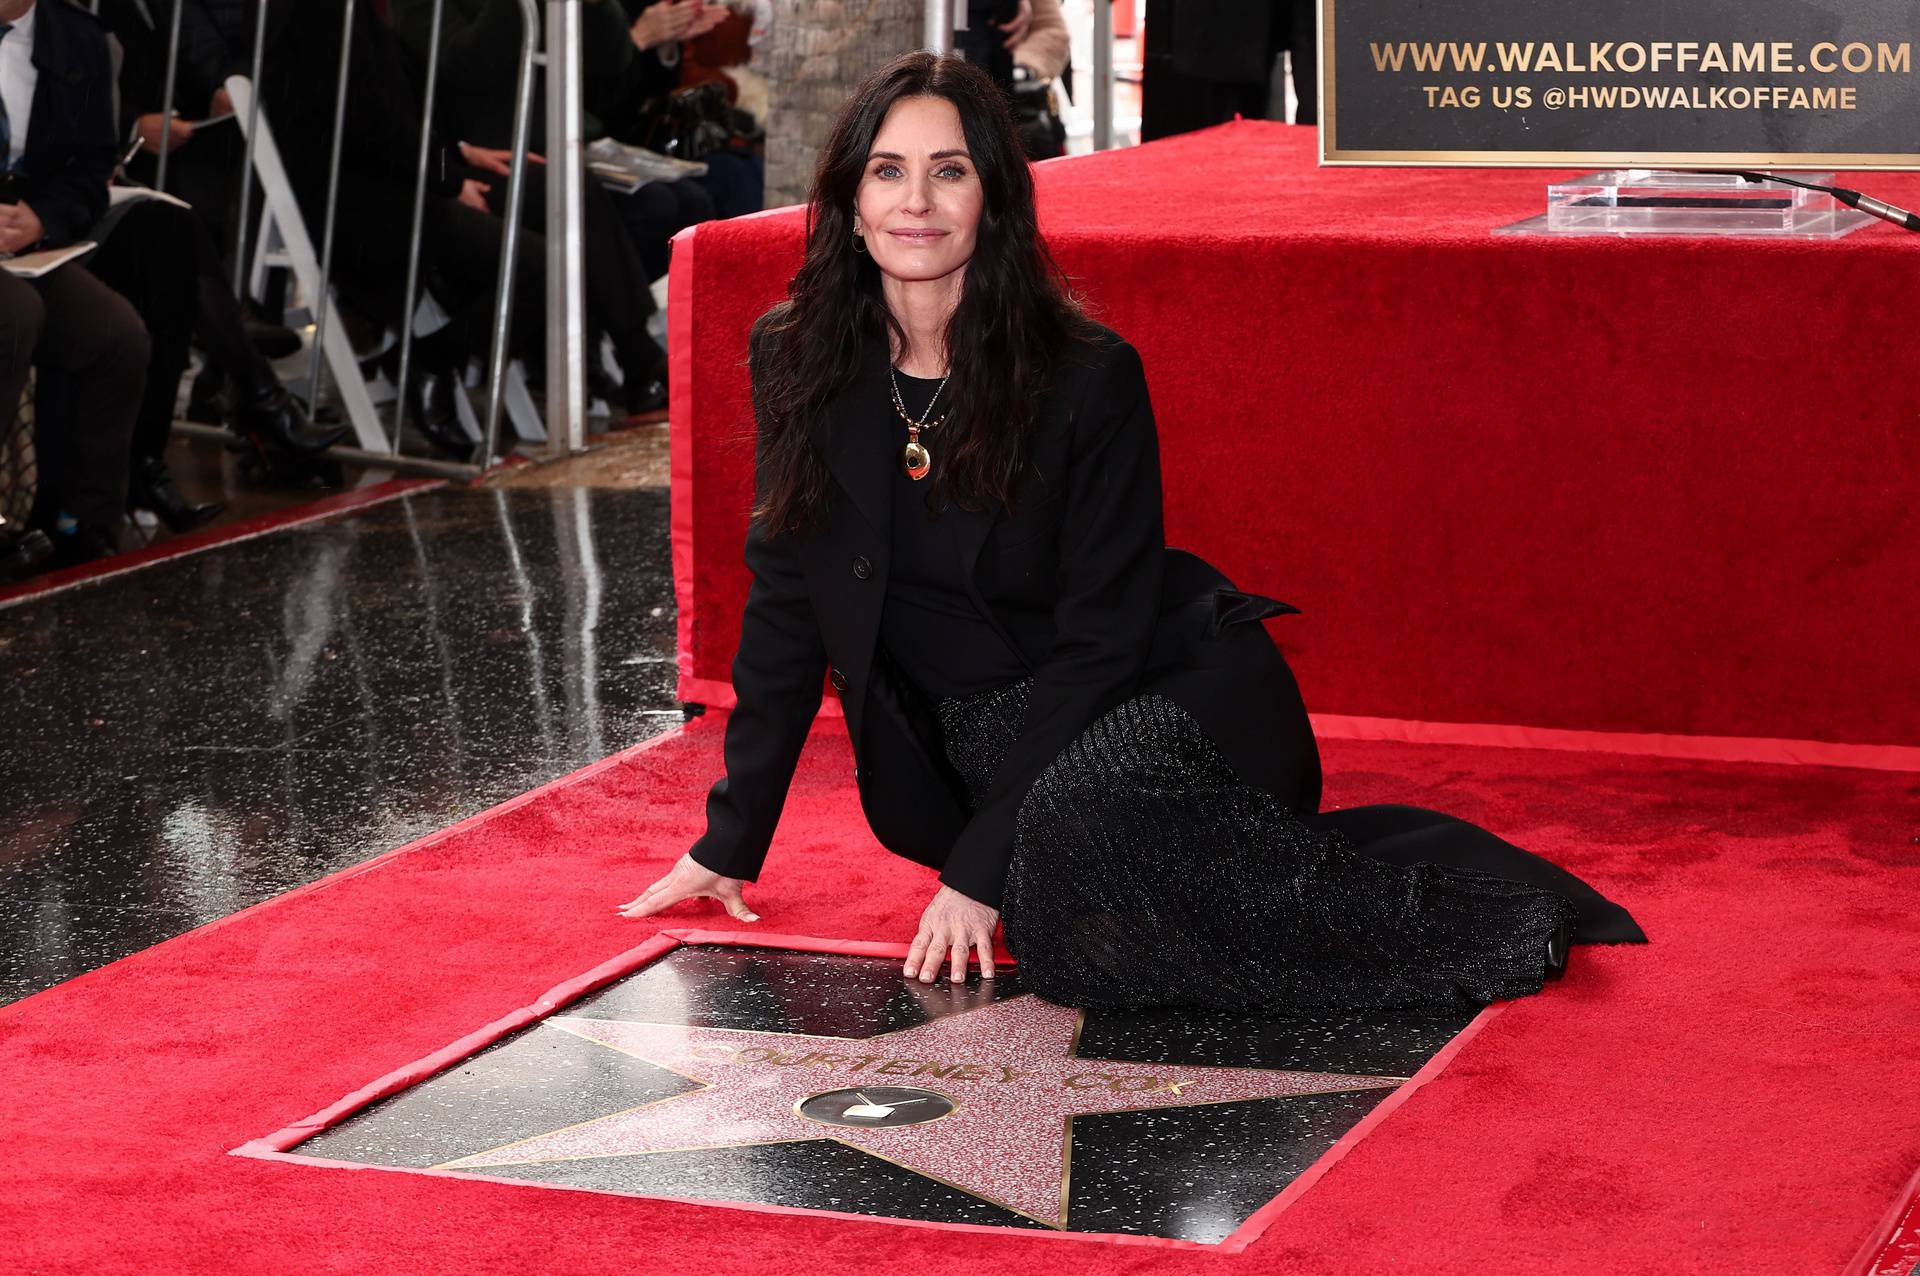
(1644, 201)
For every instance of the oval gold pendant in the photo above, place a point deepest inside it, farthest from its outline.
(916, 461)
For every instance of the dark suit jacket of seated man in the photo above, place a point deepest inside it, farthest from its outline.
(84, 337)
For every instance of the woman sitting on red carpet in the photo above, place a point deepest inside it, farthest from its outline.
(1087, 733)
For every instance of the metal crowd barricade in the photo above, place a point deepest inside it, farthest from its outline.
(510, 231)
(939, 25)
(566, 329)
(1102, 75)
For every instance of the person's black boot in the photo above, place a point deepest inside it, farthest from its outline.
(432, 410)
(270, 415)
(643, 374)
(151, 487)
(648, 393)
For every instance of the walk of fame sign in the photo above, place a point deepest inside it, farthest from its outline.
(759, 1075)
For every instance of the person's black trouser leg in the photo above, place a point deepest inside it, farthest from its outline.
(149, 258)
(92, 336)
(618, 298)
(659, 210)
(21, 316)
(736, 183)
(464, 247)
(206, 174)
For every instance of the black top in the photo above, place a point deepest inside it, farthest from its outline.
(928, 610)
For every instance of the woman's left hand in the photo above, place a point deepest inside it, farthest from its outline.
(1018, 25)
(952, 924)
(490, 159)
(711, 16)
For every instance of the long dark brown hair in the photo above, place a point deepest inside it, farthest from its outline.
(1014, 319)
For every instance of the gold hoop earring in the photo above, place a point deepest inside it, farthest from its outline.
(860, 243)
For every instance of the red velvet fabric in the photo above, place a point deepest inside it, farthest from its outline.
(1649, 486)
(1735, 1096)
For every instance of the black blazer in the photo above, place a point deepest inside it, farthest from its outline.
(1078, 582)
(71, 141)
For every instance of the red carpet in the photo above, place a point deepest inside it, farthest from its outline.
(1734, 1097)
(1655, 487)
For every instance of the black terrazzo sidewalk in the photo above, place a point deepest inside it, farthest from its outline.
(194, 737)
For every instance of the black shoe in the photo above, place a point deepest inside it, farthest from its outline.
(645, 386)
(275, 419)
(649, 396)
(151, 487)
(1559, 944)
(432, 411)
(21, 552)
(87, 543)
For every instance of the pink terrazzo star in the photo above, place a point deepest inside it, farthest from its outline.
(1009, 1068)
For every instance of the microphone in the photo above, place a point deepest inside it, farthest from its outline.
(1851, 198)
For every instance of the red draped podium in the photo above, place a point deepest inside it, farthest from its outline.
(1542, 487)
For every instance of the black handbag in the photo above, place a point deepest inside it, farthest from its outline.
(690, 123)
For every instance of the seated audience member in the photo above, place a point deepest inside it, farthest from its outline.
(204, 168)
(1024, 46)
(58, 145)
(736, 175)
(160, 257)
(733, 184)
(628, 63)
(462, 236)
(479, 60)
(216, 41)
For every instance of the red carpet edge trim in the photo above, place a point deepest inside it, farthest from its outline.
(385, 857)
(679, 447)
(716, 694)
(1712, 748)
(209, 537)
(1893, 1247)
(276, 1146)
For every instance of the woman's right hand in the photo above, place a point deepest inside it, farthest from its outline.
(664, 22)
(152, 126)
(473, 193)
(690, 880)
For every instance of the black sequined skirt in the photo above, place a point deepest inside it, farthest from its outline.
(1145, 872)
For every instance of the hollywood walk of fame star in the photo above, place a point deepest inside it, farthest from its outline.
(1004, 1084)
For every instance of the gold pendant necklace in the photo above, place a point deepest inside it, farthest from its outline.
(915, 461)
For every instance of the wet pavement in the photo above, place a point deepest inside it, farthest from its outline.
(191, 738)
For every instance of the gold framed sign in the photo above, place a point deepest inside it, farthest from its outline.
(1783, 84)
